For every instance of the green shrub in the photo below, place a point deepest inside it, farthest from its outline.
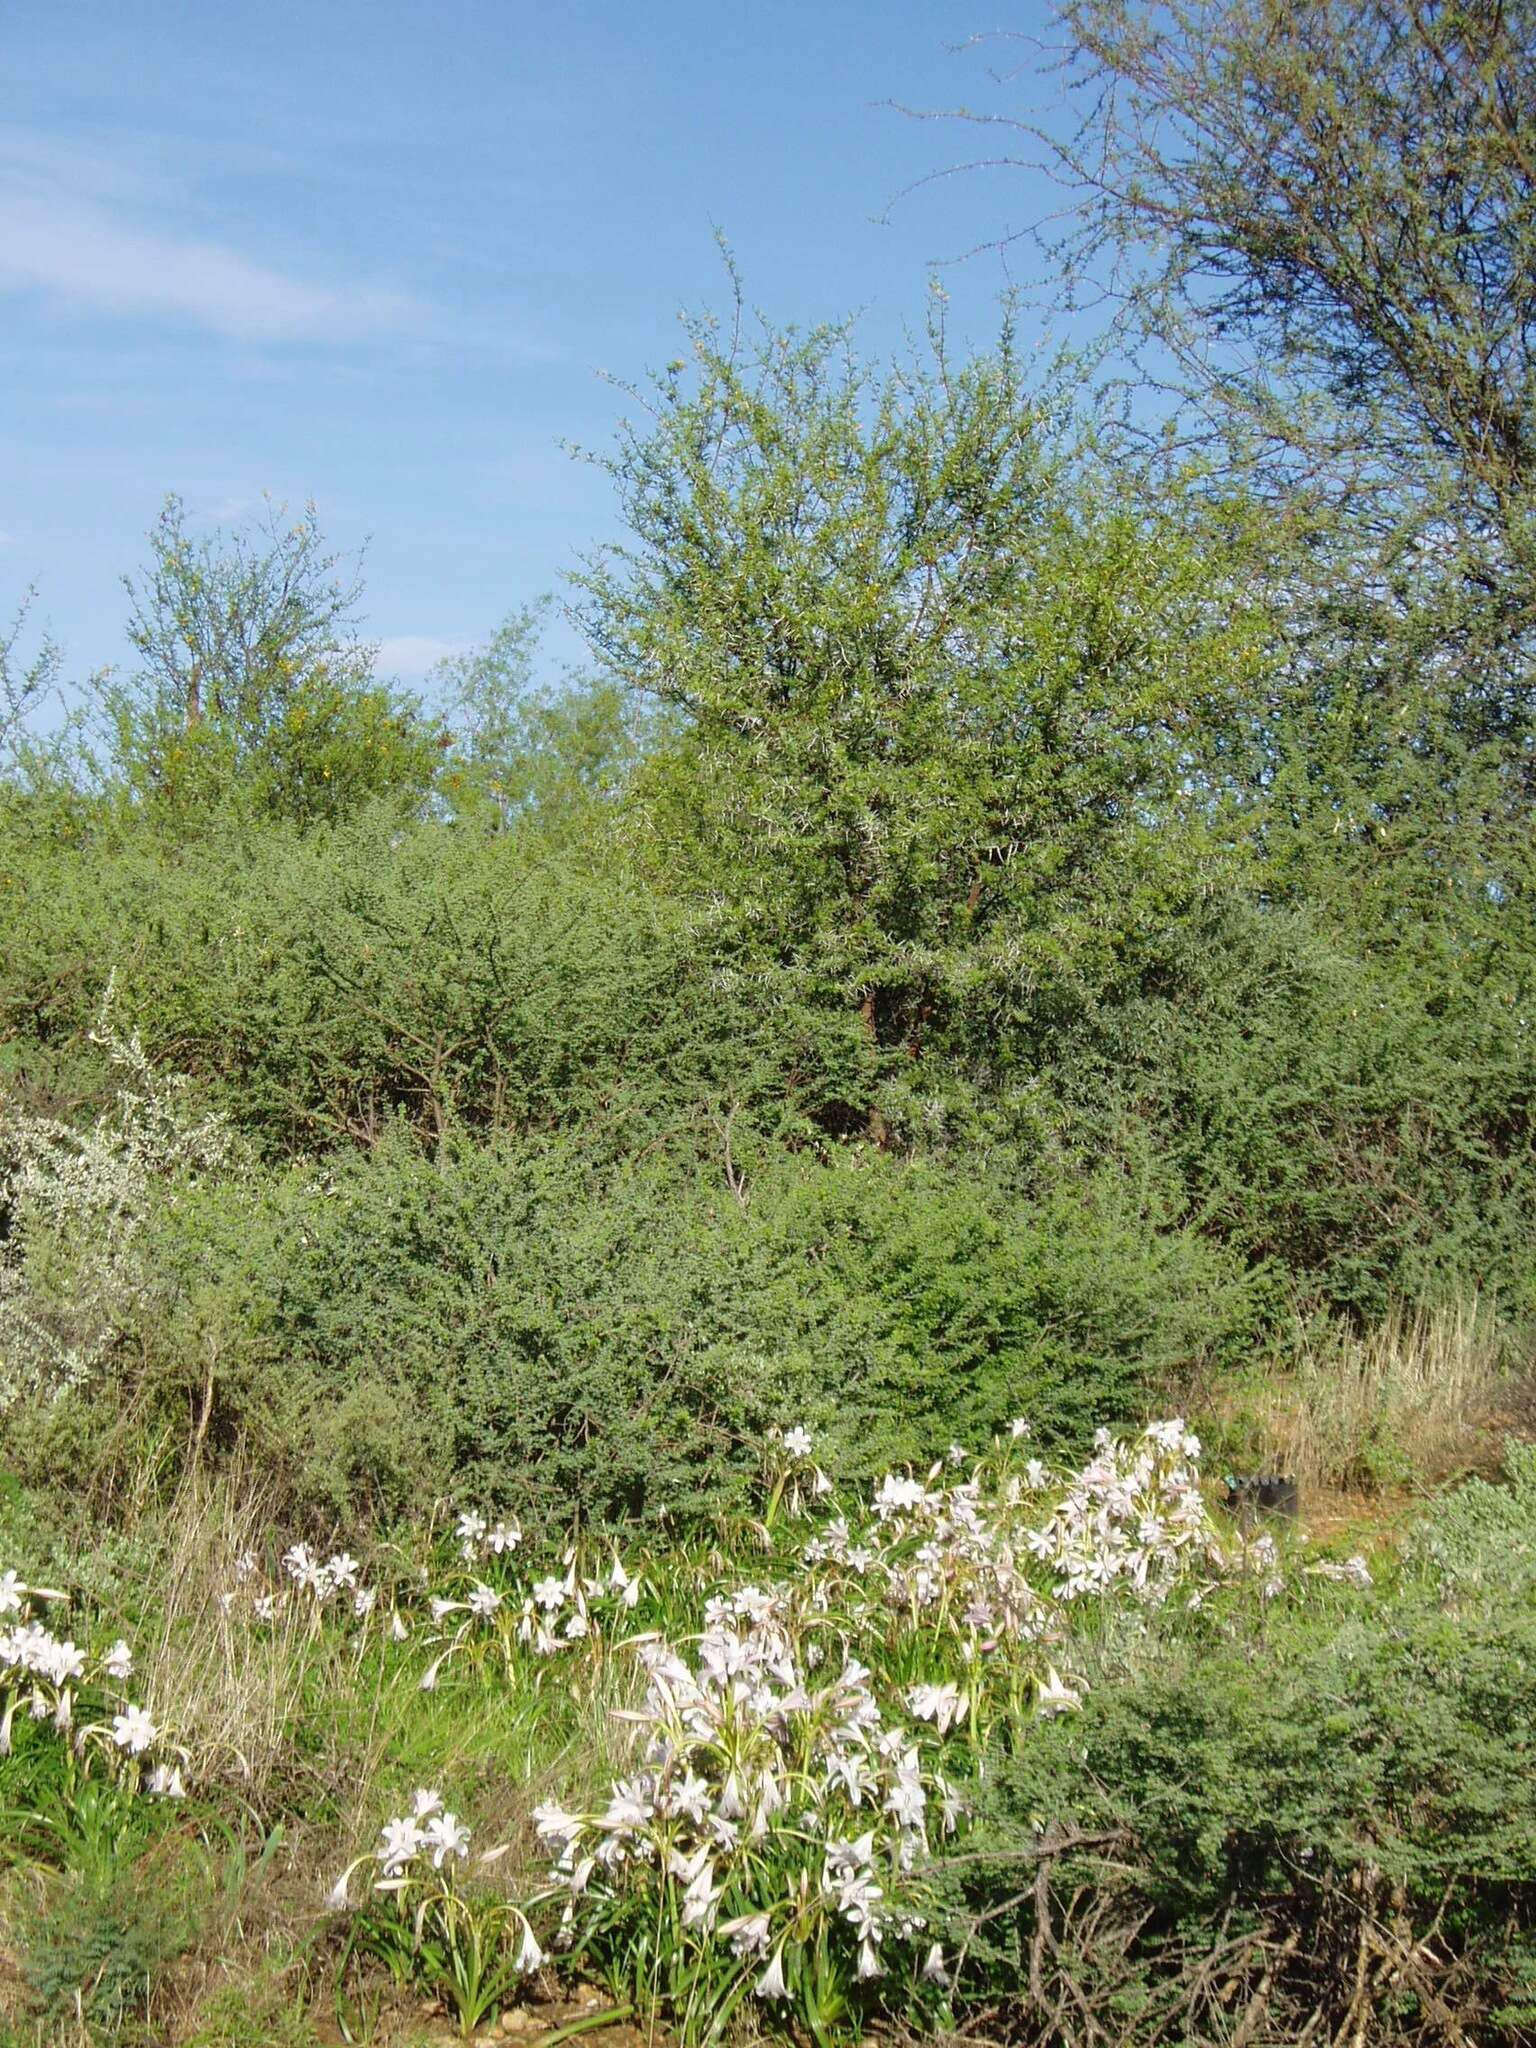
(537, 1321)
(1337, 1790)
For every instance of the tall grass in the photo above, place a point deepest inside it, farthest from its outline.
(1425, 1394)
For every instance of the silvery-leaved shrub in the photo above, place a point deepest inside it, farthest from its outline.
(74, 1204)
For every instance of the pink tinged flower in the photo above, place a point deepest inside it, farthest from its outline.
(133, 1731)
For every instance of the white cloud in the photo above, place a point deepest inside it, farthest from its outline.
(115, 223)
(413, 654)
(86, 254)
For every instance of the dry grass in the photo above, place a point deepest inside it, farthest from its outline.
(1427, 1395)
(303, 1719)
(233, 1693)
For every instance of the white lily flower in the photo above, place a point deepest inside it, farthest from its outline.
(133, 1731)
(1055, 1695)
(399, 1841)
(445, 1835)
(556, 1825)
(771, 1984)
(65, 1661)
(701, 1899)
(945, 1705)
(748, 1933)
(118, 1662)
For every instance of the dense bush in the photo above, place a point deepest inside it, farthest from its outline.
(1333, 1814)
(974, 947)
(538, 1323)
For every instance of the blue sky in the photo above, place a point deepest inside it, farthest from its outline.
(377, 255)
